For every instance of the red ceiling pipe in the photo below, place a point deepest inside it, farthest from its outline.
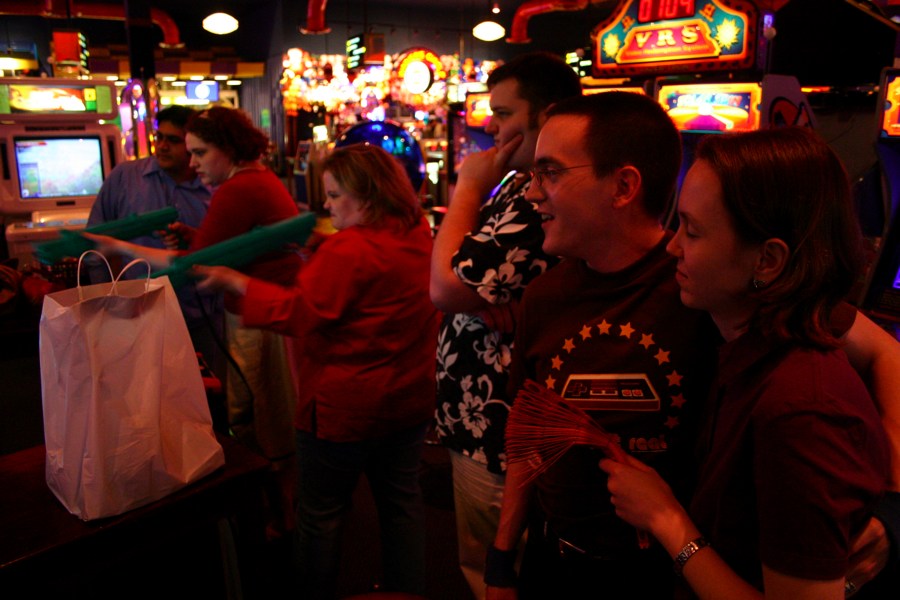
(65, 9)
(771, 5)
(315, 17)
(519, 28)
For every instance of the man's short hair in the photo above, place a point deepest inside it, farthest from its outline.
(626, 128)
(176, 114)
(543, 79)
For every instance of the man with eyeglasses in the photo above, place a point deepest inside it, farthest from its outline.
(155, 182)
(606, 329)
(488, 248)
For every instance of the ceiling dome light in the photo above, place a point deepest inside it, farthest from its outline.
(220, 23)
(488, 31)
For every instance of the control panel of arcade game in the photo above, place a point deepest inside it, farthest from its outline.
(56, 151)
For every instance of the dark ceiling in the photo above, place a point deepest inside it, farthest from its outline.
(820, 41)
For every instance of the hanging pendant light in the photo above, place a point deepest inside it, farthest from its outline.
(220, 23)
(489, 30)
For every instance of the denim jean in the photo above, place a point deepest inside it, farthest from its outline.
(329, 473)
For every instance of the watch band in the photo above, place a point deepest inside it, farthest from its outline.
(687, 552)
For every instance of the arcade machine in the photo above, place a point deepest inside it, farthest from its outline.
(465, 130)
(139, 105)
(55, 150)
(708, 58)
(393, 138)
(881, 295)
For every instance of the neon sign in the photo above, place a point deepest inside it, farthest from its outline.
(646, 36)
(419, 69)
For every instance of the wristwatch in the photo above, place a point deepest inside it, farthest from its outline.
(690, 549)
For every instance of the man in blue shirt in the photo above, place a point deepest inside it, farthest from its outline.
(156, 182)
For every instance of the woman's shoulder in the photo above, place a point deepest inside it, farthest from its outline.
(811, 379)
(253, 179)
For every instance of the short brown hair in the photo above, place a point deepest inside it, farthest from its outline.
(786, 183)
(378, 179)
(626, 128)
(543, 79)
(231, 131)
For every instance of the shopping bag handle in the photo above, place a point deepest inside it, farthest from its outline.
(115, 280)
(78, 272)
(136, 261)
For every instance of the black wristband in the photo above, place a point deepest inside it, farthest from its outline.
(500, 568)
(888, 512)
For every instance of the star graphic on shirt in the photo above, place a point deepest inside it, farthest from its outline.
(662, 356)
(585, 332)
(678, 401)
(569, 345)
(626, 330)
(646, 340)
(550, 382)
(557, 362)
(674, 378)
(671, 422)
(603, 327)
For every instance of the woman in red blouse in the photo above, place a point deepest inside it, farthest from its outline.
(366, 332)
(225, 149)
(794, 454)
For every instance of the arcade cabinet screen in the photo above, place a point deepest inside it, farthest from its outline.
(890, 124)
(478, 109)
(713, 107)
(207, 91)
(44, 100)
(58, 167)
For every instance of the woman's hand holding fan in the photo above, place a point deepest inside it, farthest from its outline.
(542, 427)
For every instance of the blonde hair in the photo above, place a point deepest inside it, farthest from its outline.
(378, 180)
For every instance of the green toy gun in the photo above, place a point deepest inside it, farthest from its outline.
(243, 248)
(72, 243)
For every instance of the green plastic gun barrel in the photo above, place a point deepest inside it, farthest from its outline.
(242, 249)
(235, 252)
(72, 243)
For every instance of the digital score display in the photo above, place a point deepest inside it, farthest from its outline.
(660, 10)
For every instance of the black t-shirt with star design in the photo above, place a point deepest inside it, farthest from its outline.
(624, 348)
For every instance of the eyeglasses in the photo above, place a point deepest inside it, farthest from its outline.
(161, 137)
(551, 173)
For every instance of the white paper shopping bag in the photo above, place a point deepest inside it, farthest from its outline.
(126, 420)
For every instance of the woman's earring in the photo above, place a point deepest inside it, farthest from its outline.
(758, 284)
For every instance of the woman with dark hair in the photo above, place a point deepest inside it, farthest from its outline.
(225, 149)
(794, 454)
(366, 329)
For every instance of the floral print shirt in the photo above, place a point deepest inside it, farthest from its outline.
(497, 260)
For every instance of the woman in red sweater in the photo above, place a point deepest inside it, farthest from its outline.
(225, 148)
(367, 332)
(795, 458)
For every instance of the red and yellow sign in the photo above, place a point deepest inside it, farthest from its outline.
(703, 35)
(691, 39)
(419, 69)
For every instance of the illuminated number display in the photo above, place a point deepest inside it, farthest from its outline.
(662, 10)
